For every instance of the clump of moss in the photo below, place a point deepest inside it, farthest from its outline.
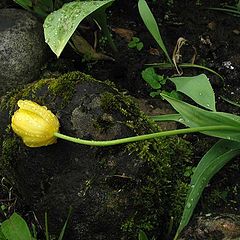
(9, 146)
(163, 187)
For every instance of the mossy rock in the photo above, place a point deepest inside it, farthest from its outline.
(114, 191)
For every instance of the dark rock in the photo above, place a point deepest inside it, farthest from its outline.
(114, 191)
(214, 226)
(22, 48)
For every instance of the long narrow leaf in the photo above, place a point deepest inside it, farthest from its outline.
(196, 117)
(235, 12)
(221, 153)
(60, 25)
(26, 4)
(65, 224)
(151, 25)
(166, 117)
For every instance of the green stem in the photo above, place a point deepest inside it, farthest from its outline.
(101, 18)
(183, 65)
(141, 137)
(46, 226)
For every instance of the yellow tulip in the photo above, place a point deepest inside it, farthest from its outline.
(34, 124)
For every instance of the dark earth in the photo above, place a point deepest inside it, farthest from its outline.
(215, 36)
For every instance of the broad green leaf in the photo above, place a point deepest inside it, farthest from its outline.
(197, 88)
(61, 24)
(2, 237)
(221, 153)
(15, 228)
(151, 25)
(192, 117)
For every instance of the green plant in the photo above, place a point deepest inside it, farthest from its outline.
(221, 153)
(157, 82)
(142, 235)
(233, 10)
(61, 23)
(16, 228)
(152, 27)
(40, 7)
(135, 43)
(197, 88)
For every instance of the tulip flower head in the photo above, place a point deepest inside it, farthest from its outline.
(34, 124)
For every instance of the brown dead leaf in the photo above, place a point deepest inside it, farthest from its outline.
(127, 34)
(154, 51)
(81, 46)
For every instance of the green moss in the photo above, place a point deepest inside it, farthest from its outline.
(126, 109)
(9, 147)
(178, 200)
(162, 194)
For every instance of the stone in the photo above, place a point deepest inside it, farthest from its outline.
(113, 191)
(221, 226)
(22, 48)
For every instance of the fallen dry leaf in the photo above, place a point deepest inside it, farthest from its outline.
(154, 51)
(127, 34)
(83, 47)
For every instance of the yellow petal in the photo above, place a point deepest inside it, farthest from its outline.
(34, 124)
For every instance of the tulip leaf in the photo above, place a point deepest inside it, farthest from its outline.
(166, 117)
(220, 154)
(15, 228)
(192, 116)
(198, 88)
(60, 25)
(151, 25)
(26, 4)
(2, 237)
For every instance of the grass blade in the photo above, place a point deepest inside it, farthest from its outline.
(222, 152)
(65, 224)
(235, 13)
